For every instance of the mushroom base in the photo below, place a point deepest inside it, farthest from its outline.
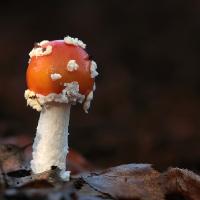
(50, 145)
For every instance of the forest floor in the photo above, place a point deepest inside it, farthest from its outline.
(128, 181)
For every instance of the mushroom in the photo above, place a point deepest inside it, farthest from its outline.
(59, 75)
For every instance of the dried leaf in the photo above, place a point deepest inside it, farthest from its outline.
(37, 184)
(133, 181)
(181, 182)
(23, 178)
(11, 157)
(88, 193)
(140, 181)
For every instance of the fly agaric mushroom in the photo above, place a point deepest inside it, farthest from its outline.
(59, 75)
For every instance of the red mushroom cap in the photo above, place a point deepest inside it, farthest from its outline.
(42, 67)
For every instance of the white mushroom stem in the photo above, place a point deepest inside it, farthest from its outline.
(50, 146)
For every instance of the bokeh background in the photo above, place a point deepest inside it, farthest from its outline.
(147, 102)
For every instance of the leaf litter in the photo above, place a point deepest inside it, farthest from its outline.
(130, 181)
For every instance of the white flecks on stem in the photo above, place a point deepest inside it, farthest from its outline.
(41, 51)
(50, 145)
(72, 65)
(74, 41)
(56, 76)
(87, 102)
(93, 69)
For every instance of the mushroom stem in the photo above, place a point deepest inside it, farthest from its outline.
(50, 145)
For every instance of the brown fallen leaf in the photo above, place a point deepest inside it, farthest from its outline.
(141, 182)
(11, 157)
(181, 182)
(25, 179)
(133, 181)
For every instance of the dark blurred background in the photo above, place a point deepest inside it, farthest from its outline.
(147, 102)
